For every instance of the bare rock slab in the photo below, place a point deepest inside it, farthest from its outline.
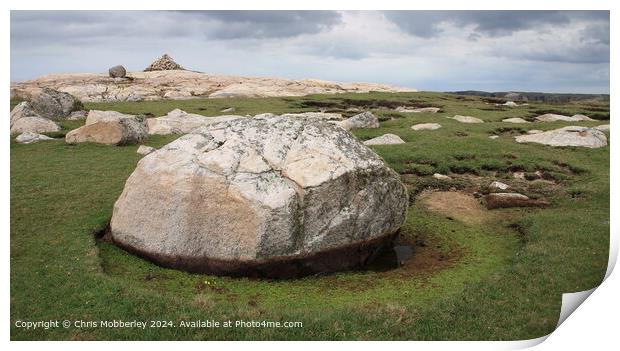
(466, 119)
(262, 197)
(385, 139)
(515, 120)
(567, 136)
(426, 126)
(552, 117)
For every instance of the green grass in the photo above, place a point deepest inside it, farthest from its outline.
(496, 282)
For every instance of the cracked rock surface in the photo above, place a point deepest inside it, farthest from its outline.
(256, 189)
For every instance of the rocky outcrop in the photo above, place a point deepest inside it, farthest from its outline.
(180, 122)
(117, 72)
(53, 104)
(466, 119)
(30, 137)
(385, 139)
(164, 63)
(506, 200)
(567, 136)
(271, 197)
(109, 129)
(158, 85)
(362, 120)
(552, 117)
(426, 126)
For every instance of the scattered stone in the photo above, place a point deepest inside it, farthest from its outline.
(30, 137)
(110, 131)
(34, 125)
(404, 109)
(180, 122)
(552, 117)
(385, 139)
(164, 63)
(510, 104)
(506, 200)
(602, 127)
(466, 119)
(276, 197)
(441, 176)
(362, 120)
(515, 120)
(145, 150)
(426, 126)
(519, 175)
(534, 131)
(117, 72)
(499, 185)
(567, 136)
(493, 137)
(226, 110)
(53, 104)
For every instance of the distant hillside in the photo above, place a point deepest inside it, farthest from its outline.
(535, 96)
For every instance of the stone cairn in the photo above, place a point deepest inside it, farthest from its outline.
(164, 63)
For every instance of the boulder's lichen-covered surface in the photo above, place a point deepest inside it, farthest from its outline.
(268, 196)
(53, 104)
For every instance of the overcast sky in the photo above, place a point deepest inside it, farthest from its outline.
(553, 51)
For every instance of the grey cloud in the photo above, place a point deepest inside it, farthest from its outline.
(267, 24)
(426, 24)
(84, 26)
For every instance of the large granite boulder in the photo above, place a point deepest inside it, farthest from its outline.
(23, 109)
(180, 122)
(264, 197)
(110, 128)
(53, 104)
(363, 120)
(34, 125)
(567, 136)
(117, 71)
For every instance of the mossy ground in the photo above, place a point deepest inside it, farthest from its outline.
(499, 279)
